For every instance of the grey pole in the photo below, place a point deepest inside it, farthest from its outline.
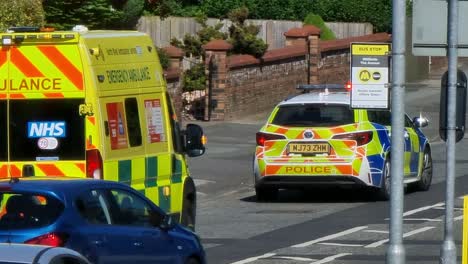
(449, 250)
(396, 251)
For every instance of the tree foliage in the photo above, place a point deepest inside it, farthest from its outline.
(376, 12)
(316, 20)
(21, 13)
(95, 14)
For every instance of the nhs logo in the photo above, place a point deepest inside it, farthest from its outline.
(46, 129)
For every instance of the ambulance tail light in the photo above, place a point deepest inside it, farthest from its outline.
(93, 164)
(262, 137)
(361, 138)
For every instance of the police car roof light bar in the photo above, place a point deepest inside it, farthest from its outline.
(320, 87)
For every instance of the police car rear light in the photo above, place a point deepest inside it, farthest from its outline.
(262, 137)
(50, 239)
(93, 164)
(361, 138)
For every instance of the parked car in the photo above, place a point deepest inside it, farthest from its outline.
(38, 254)
(105, 221)
(315, 138)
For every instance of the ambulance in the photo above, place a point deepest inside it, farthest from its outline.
(94, 104)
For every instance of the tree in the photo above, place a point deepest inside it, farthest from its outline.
(95, 14)
(21, 13)
(316, 20)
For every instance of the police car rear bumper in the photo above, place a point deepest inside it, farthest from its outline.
(281, 181)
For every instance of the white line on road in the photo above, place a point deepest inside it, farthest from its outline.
(339, 244)
(414, 232)
(458, 218)
(424, 208)
(422, 219)
(252, 259)
(376, 231)
(343, 233)
(293, 258)
(331, 258)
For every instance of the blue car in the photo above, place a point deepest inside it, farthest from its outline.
(107, 222)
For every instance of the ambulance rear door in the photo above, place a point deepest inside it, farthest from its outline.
(42, 87)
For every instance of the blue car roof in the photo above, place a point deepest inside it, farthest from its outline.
(55, 184)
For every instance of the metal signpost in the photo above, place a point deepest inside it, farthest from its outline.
(436, 33)
(370, 75)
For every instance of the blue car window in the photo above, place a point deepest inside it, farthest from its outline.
(92, 207)
(131, 210)
(28, 210)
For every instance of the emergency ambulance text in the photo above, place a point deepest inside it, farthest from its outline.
(32, 84)
(128, 75)
(308, 169)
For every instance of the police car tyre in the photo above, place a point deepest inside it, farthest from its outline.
(384, 191)
(426, 174)
(266, 193)
(189, 205)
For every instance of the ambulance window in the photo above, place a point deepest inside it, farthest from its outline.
(45, 130)
(3, 131)
(133, 122)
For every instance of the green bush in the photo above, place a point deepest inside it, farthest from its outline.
(194, 78)
(21, 13)
(316, 20)
(164, 58)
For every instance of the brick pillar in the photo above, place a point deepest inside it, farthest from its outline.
(174, 77)
(216, 71)
(308, 36)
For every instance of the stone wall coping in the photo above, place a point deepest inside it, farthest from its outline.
(217, 45)
(172, 73)
(340, 44)
(302, 32)
(174, 52)
(242, 60)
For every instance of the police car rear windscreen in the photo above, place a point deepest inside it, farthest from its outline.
(46, 130)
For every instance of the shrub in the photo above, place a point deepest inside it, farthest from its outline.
(21, 13)
(164, 58)
(316, 20)
(194, 78)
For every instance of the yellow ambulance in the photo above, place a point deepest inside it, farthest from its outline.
(94, 104)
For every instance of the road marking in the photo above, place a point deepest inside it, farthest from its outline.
(377, 231)
(422, 219)
(293, 258)
(458, 218)
(339, 244)
(329, 237)
(252, 259)
(331, 258)
(414, 232)
(424, 208)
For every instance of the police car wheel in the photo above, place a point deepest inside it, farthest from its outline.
(266, 193)
(189, 206)
(384, 191)
(426, 174)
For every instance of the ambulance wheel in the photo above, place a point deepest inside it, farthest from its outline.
(426, 173)
(265, 194)
(189, 205)
(384, 191)
(192, 261)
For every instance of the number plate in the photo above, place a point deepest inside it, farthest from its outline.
(309, 148)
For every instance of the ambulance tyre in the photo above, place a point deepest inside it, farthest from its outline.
(189, 205)
(426, 173)
(384, 191)
(265, 194)
(192, 261)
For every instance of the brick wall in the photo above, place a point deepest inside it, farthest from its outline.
(242, 85)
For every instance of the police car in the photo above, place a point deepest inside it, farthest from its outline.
(315, 138)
